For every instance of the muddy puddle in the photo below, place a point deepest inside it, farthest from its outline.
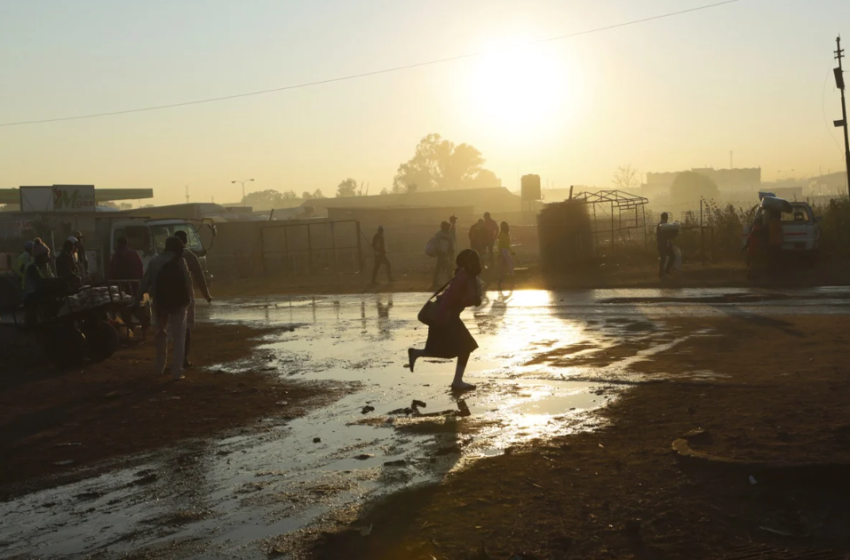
(545, 360)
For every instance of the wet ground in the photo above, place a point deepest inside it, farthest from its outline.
(546, 359)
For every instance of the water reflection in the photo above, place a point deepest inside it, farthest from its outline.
(268, 481)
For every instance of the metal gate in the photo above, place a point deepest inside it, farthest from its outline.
(312, 249)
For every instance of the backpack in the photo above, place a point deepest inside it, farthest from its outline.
(431, 247)
(171, 293)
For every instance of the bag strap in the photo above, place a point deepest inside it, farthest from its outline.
(443, 287)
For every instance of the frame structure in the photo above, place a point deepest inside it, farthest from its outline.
(616, 214)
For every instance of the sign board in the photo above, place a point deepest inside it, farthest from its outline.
(58, 198)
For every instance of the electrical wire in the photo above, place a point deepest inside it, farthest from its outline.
(365, 74)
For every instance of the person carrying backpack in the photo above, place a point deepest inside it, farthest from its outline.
(169, 283)
(443, 250)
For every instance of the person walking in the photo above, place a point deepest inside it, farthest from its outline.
(126, 267)
(492, 229)
(506, 261)
(126, 264)
(199, 281)
(66, 265)
(664, 243)
(478, 237)
(23, 261)
(775, 239)
(379, 246)
(80, 255)
(448, 337)
(444, 249)
(453, 233)
(169, 282)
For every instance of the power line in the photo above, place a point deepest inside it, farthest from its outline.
(366, 74)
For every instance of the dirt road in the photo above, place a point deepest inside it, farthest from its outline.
(564, 451)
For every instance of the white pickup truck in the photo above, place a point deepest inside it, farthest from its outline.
(148, 237)
(800, 229)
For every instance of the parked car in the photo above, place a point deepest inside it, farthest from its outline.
(800, 229)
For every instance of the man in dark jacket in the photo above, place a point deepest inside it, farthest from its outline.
(664, 242)
(199, 281)
(445, 249)
(380, 248)
(126, 263)
(66, 265)
(80, 254)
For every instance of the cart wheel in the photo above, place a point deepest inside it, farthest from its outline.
(101, 338)
(66, 346)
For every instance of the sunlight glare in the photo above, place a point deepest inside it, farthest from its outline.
(520, 89)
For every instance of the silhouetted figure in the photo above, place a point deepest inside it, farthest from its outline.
(756, 249)
(775, 239)
(444, 250)
(80, 255)
(196, 271)
(66, 265)
(664, 242)
(453, 233)
(168, 281)
(379, 246)
(506, 261)
(126, 264)
(478, 237)
(492, 230)
(22, 262)
(448, 337)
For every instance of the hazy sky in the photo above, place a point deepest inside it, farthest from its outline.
(753, 77)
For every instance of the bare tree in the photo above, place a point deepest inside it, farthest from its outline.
(626, 178)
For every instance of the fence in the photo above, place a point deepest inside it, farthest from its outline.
(308, 249)
(286, 249)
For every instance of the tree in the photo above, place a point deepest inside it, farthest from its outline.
(306, 195)
(384, 191)
(346, 188)
(125, 206)
(626, 178)
(270, 198)
(439, 164)
(690, 186)
(318, 194)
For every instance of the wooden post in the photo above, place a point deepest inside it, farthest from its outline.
(263, 250)
(701, 232)
(333, 245)
(309, 251)
(359, 247)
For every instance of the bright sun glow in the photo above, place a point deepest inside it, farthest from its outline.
(520, 90)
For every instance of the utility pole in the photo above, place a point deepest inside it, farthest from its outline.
(731, 160)
(187, 194)
(839, 82)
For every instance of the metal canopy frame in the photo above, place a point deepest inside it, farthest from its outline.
(616, 204)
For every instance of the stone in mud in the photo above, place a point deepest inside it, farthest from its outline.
(364, 456)
(698, 436)
(317, 440)
(367, 409)
(399, 463)
(418, 404)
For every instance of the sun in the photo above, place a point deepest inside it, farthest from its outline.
(520, 90)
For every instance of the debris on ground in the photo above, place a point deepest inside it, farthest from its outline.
(367, 409)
